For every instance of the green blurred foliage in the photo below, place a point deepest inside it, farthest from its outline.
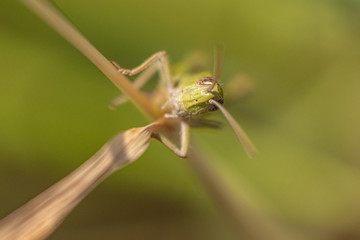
(303, 115)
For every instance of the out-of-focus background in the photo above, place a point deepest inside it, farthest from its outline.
(303, 58)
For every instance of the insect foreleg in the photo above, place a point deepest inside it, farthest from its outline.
(164, 69)
(184, 140)
(140, 81)
(141, 67)
(207, 82)
(185, 137)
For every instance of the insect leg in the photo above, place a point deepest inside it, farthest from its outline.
(164, 67)
(185, 137)
(184, 140)
(140, 81)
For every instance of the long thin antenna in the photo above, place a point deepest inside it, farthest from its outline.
(240, 133)
(219, 60)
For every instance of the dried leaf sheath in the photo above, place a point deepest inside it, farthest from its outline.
(40, 217)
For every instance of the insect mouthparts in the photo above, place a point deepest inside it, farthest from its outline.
(212, 108)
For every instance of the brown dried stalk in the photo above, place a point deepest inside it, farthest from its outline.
(41, 216)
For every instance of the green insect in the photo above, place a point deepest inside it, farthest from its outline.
(184, 97)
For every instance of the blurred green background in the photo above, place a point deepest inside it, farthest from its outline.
(303, 115)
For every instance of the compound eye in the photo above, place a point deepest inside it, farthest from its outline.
(221, 101)
(212, 108)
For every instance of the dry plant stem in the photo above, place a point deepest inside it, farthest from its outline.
(41, 216)
(55, 19)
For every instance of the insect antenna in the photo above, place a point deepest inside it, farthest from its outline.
(219, 60)
(240, 133)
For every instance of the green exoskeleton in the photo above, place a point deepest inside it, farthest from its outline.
(184, 97)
